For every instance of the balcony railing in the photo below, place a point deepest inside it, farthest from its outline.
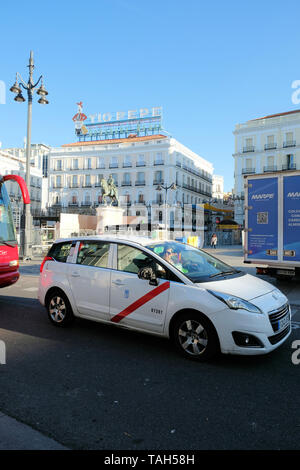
(270, 168)
(126, 183)
(291, 166)
(155, 182)
(247, 171)
(140, 163)
(159, 162)
(127, 165)
(270, 146)
(87, 185)
(289, 143)
(249, 148)
(140, 183)
(113, 165)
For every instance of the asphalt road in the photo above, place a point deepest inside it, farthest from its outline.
(95, 386)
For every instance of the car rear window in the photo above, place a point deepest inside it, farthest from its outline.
(60, 251)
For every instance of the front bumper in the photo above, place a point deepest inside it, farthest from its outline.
(258, 330)
(9, 278)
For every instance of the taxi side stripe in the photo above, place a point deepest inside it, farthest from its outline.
(141, 301)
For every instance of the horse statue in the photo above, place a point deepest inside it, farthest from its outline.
(109, 189)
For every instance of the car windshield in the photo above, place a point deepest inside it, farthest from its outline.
(7, 230)
(197, 265)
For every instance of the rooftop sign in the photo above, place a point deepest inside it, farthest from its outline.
(119, 124)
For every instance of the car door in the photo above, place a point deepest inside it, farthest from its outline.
(89, 279)
(135, 302)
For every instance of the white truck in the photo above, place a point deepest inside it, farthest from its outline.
(272, 223)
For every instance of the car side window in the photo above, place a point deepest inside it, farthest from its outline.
(60, 251)
(131, 260)
(93, 254)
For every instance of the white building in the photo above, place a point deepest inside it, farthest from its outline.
(137, 164)
(262, 145)
(218, 187)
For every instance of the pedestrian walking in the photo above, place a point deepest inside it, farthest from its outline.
(214, 240)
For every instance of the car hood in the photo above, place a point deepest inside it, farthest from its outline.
(246, 287)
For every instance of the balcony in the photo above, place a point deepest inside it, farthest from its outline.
(250, 148)
(126, 183)
(270, 146)
(73, 185)
(159, 162)
(100, 167)
(289, 143)
(156, 182)
(291, 166)
(140, 183)
(138, 164)
(87, 185)
(113, 165)
(127, 165)
(269, 168)
(86, 204)
(248, 171)
(73, 204)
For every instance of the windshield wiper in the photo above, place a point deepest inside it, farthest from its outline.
(222, 273)
(12, 244)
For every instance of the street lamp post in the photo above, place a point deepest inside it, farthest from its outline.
(30, 87)
(160, 187)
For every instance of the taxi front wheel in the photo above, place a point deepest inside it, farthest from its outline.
(59, 309)
(195, 337)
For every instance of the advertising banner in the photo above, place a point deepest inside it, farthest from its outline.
(291, 218)
(263, 219)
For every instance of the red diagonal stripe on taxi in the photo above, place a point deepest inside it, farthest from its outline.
(138, 303)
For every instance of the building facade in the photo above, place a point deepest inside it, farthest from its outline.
(137, 164)
(218, 187)
(262, 145)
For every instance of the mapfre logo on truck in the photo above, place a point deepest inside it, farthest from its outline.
(262, 197)
(294, 195)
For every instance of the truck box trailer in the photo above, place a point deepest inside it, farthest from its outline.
(272, 223)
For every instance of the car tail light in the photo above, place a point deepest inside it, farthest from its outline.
(47, 258)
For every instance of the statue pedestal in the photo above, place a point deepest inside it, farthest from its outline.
(108, 216)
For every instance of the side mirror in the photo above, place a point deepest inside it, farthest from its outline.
(148, 274)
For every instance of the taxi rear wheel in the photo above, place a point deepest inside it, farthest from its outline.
(59, 309)
(195, 337)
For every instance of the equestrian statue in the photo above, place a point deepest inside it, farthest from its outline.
(109, 189)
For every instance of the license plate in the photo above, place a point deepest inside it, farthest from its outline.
(284, 322)
(285, 272)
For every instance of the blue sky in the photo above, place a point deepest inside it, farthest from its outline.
(210, 65)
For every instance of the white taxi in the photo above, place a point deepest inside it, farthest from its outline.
(165, 288)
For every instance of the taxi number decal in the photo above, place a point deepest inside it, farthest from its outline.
(140, 302)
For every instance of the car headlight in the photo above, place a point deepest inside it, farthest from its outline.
(235, 303)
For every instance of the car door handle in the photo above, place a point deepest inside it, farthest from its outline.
(75, 275)
(118, 282)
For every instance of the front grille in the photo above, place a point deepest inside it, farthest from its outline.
(276, 338)
(276, 315)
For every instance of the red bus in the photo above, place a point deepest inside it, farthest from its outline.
(9, 253)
